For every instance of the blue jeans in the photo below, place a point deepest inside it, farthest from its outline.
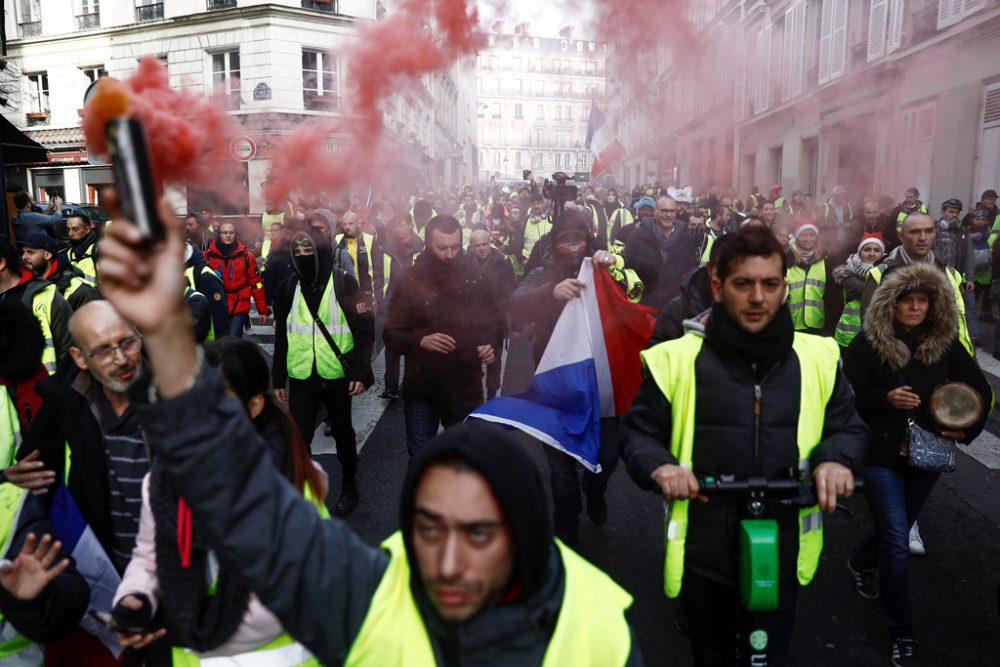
(564, 475)
(236, 323)
(971, 316)
(423, 419)
(895, 497)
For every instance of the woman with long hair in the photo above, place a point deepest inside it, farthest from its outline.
(175, 576)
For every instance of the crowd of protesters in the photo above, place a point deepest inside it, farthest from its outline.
(112, 414)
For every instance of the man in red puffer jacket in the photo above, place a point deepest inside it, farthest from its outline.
(236, 265)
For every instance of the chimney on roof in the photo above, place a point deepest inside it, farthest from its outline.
(567, 32)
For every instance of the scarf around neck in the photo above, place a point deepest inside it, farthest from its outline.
(762, 349)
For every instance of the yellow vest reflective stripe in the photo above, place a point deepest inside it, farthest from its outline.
(805, 295)
(281, 652)
(672, 367)
(86, 265)
(591, 629)
(533, 231)
(10, 430)
(956, 283)
(74, 284)
(306, 343)
(41, 305)
(15, 649)
(849, 324)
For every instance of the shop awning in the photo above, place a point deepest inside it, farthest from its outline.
(18, 148)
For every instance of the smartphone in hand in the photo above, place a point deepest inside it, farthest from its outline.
(133, 174)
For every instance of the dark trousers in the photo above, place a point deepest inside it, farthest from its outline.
(716, 615)
(304, 400)
(423, 418)
(493, 378)
(392, 371)
(895, 498)
(564, 476)
(236, 323)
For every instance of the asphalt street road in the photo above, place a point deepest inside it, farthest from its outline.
(954, 586)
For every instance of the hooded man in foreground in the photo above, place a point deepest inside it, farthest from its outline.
(473, 577)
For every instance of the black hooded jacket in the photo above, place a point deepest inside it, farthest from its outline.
(313, 272)
(316, 575)
(695, 298)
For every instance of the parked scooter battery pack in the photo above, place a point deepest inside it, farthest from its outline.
(759, 564)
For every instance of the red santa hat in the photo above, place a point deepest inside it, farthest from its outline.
(802, 224)
(872, 237)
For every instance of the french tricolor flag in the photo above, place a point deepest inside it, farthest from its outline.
(601, 140)
(590, 369)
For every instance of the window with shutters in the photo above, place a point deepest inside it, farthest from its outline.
(793, 50)
(894, 28)
(763, 78)
(951, 12)
(833, 40)
(916, 148)
(878, 19)
(739, 78)
(988, 166)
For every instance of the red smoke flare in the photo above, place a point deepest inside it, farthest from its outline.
(185, 131)
(404, 46)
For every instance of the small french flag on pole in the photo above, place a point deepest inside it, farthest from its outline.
(590, 369)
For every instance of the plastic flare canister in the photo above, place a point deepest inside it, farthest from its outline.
(759, 564)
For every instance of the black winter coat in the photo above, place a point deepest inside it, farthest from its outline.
(883, 358)
(725, 444)
(452, 300)
(694, 299)
(498, 273)
(662, 281)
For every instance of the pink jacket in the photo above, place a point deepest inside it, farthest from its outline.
(259, 625)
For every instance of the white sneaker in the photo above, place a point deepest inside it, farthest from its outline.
(916, 542)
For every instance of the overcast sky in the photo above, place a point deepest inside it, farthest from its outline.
(547, 17)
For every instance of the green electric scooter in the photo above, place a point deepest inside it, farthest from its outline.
(758, 555)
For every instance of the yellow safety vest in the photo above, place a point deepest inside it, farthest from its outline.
(901, 216)
(10, 430)
(849, 324)
(265, 250)
(591, 629)
(369, 240)
(306, 343)
(956, 282)
(268, 219)
(672, 367)
(73, 285)
(41, 305)
(86, 264)
(533, 231)
(190, 293)
(15, 649)
(806, 288)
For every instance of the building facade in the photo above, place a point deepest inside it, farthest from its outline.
(276, 63)
(535, 96)
(875, 95)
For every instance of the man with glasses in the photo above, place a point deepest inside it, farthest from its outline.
(662, 251)
(89, 412)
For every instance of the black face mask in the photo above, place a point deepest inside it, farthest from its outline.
(648, 219)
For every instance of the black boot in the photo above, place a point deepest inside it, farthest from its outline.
(348, 499)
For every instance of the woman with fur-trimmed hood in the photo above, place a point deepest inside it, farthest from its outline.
(908, 348)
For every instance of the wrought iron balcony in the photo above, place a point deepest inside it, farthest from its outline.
(31, 29)
(88, 21)
(329, 6)
(152, 12)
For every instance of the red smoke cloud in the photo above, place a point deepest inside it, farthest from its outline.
(419, 37)
(184, 130)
